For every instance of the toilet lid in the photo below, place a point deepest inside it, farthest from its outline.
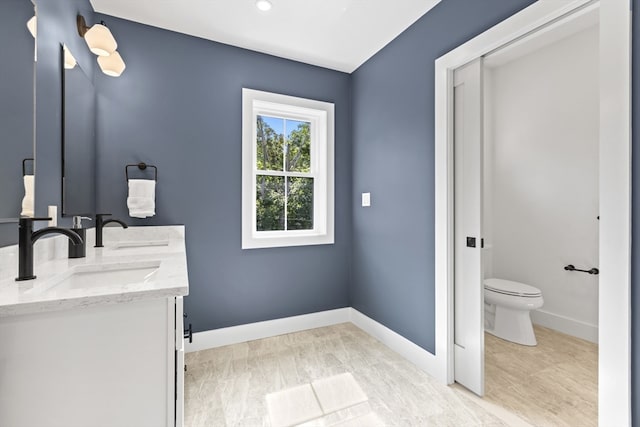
(509, 287)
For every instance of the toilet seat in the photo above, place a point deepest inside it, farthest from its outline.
(508, 287)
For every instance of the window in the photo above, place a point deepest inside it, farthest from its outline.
(287, 170)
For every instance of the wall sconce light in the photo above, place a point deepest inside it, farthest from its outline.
(69, 61)
(102, 43)
(32, 25)
(112, 65)
(98, 37)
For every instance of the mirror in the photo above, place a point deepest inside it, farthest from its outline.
(17, 69)
(78, 140)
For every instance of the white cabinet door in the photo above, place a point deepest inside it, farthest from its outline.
(106, 365)
(179, 372)
(468, 287)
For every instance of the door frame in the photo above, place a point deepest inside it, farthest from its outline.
(614, 326)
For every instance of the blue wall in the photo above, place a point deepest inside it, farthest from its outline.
(178, 106)
(56, 26)
(16, 109)
(393, 153)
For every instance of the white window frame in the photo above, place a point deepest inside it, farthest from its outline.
(321, 116)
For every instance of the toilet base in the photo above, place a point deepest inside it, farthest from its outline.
(513, 325)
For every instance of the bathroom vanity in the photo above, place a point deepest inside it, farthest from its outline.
(96, 341)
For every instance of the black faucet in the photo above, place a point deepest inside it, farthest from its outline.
(27, 237)
(100, 223)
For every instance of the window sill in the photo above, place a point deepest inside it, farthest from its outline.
(286, 241)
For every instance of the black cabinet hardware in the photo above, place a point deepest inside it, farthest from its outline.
(188, 333)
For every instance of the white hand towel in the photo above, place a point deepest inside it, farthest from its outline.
(142, 198)
(27, 200)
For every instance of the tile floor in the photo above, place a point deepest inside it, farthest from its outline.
(239, 385)
(293, 406)
(552, 384)
(339, 375)
(325, 398)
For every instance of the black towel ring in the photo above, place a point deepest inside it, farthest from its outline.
(142, 166)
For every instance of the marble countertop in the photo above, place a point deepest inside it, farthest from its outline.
(161, 248)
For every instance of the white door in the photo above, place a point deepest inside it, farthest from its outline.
(468, 288)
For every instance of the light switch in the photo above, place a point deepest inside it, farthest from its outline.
(366, 199)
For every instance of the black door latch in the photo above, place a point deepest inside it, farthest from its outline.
(471, 242)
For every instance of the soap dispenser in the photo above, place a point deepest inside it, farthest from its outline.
(78, 251)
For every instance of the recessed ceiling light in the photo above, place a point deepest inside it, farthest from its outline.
(263, 5)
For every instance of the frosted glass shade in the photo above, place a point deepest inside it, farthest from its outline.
(100, 40)
(32, 26)
(112, 65)
(69, 61)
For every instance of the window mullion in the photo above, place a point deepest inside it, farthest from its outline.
(254, 162)
(285, 147)
(287, 174)
(286, 203)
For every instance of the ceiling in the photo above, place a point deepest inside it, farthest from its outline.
(336, 34)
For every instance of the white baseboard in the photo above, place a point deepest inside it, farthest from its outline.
(565, 325)
(269, 328)
(396, 342)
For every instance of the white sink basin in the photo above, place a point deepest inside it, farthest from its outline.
(89, 276)
(141, 244)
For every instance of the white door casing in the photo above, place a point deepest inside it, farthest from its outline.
(614, 388)
(468, 288)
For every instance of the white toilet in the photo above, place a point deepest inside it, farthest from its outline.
(507, 307)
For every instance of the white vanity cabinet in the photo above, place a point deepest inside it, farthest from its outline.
(112, 364)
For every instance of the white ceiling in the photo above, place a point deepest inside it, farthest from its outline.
(336, 34)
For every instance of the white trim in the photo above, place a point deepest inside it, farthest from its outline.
(566, 325)
(396, 342)
(321, 117)
(614, 387)
(614, 358)
(269, 328)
